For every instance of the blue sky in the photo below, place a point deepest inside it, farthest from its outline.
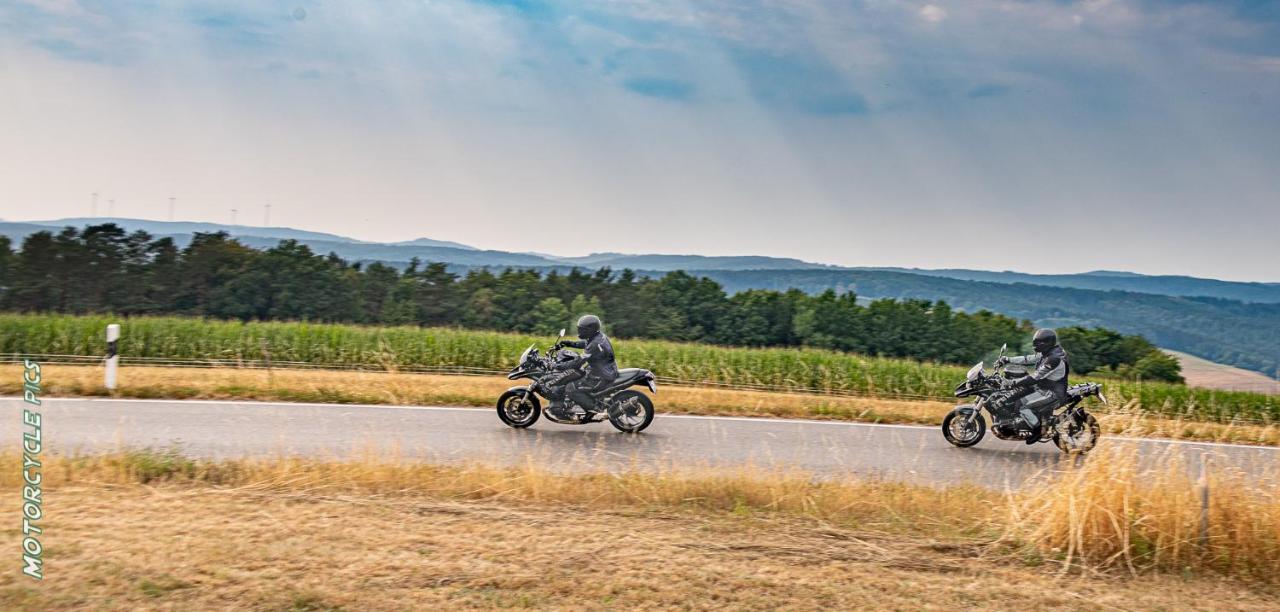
(1136, 135)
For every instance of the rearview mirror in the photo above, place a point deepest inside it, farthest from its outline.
(1003, 348)
(561, 332)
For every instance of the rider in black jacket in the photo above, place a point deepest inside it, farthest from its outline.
(1045, 387)
(597, 354)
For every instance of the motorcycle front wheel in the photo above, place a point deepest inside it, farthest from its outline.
(516, 410)
(630, 411)
(963, 426)
(1084, 439)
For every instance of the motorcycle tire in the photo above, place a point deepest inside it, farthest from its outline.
(514, 415)
(626, 422)
(980, 427)
(1069, 446)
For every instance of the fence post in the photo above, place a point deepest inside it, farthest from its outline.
(266, 355)
(113, 359)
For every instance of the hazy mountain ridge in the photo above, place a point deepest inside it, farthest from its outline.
(685, 262)
(1121, 281)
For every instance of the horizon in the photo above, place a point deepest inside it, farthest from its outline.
(640, 254)
(1115, 134)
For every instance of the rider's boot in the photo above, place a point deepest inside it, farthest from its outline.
(1036, 433)
(1034, 422)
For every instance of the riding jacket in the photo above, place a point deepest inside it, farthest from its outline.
(1052, 368)
(597, 353)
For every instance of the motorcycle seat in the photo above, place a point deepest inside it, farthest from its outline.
(627, 376)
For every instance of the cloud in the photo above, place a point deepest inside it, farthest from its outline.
(667, 89)
(68, 50)
(933, 13)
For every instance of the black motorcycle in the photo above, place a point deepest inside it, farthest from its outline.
(630, 411)
(1070, 427)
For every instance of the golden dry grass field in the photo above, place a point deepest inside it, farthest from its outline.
(1204, 373)
(155, 531)
(330, 386)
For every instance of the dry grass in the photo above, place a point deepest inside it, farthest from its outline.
(1111, 514)
(431, 389)
(183, 548)
(145, 528)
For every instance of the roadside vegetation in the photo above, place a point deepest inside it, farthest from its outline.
(281, 533)
(191, 341)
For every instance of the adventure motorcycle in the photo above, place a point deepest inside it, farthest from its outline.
(630, 411)
(1069, 427)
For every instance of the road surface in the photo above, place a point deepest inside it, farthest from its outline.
(219, 429)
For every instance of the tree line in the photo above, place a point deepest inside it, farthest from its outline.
(103, 268)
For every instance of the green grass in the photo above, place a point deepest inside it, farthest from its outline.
(409, 347)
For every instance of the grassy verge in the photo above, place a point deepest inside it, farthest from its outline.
(146, 529)
(404, 348)
(432, 389)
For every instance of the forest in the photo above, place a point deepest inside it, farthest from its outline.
(104, 269)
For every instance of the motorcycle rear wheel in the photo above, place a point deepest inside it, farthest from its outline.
(1083, 441)
(630, 411)
(516, 410)
(963, 427)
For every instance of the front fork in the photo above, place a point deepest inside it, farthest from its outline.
(528, 393)
(977, 408)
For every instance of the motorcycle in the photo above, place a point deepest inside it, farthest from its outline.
(629, 411)
(1069, 427)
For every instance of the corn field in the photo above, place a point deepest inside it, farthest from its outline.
(192, 341)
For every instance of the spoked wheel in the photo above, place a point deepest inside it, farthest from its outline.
(518, 408)
(964, 426)
(630, 411)
(1072, 438)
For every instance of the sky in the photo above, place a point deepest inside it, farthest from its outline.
(1039, 136)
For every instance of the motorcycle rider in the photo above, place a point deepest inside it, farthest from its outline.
(1046, 386)
(597, 354)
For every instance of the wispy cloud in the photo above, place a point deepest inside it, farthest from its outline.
(669, 89)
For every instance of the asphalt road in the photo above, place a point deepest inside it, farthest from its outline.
(893, 452)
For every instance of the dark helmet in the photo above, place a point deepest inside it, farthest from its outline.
(1044, 340)
(588, 326)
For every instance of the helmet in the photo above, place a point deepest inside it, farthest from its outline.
(1044, 340)
(588, 326)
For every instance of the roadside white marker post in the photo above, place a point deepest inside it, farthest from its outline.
(1204, 501)
(113, 360)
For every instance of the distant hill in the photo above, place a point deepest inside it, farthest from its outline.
(189, 227)
(418, 242)
(1123, 281)
(370, 251)
(668, 263)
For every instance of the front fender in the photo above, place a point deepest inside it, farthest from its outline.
(522, 388)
